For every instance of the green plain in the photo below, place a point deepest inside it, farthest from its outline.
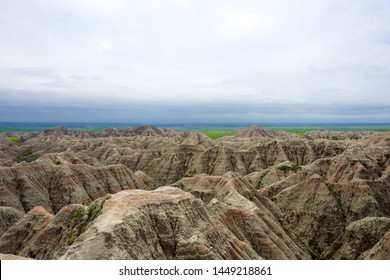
(302, 130)
(13, 139)
(215, 133)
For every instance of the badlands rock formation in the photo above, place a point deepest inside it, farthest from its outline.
(151, 193)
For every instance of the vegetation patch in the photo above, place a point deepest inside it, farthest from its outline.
(18, 182)
(218, 134)
(13, 139)
(378, 197)
(107, 236)
(287, 167)
(352, 162)
(214, 133)
(96, 207)
(26, 155)
(195, 193)
(350, 234)
(334, 194)
(297, 131)
(301, 130)
(78, 214)
(83, 216)
(316, 253)
(71, 240)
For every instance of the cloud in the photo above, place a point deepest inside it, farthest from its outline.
(174, 54)
(241, 23)
(86, 109)
(34, 72)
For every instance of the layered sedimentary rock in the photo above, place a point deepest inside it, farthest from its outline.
(339, 135)
(24, 230)
(259, 194)
(12, 257)
(166, 223)
(8, 217)
(359, 237)
(54, 186)
(257, 131)
(163, 224)
(250, 216)
(380, 251)
(42, 235)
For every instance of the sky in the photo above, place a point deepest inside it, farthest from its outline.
(178, 61)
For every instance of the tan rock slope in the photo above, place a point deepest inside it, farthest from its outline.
(259, 194)
(257, 131)
(380, 251)
(166, 223)
(8, 217)
(250, 216)
(12, 257)
(55, 185)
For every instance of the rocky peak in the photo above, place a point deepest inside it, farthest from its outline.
(255, 131)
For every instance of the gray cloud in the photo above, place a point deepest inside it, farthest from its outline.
(84, 110)
(181, 60)
(34, 72)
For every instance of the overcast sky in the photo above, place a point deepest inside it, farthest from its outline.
(195, 61)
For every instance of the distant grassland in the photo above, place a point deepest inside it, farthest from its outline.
(13, 139)
(302, 130)
(215, 133)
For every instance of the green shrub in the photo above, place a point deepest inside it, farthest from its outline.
(107, 236)
(27, 152)
(82, 217)
(195, 193)
(71, 240)
(25, 155)
(78, 214)
(352, 162)
(13, 139)
(293, 167)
